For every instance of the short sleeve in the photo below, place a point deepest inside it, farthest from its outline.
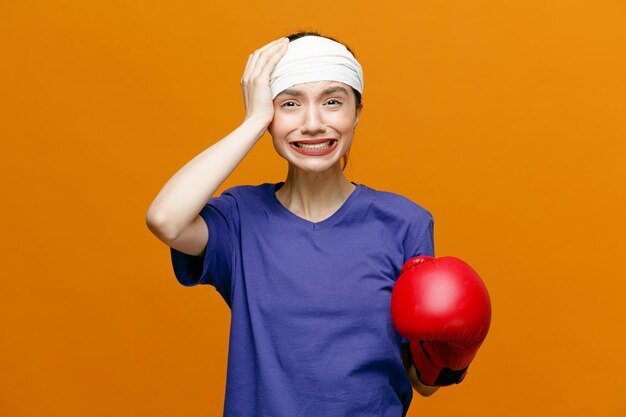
(215, 265)
(424, 246)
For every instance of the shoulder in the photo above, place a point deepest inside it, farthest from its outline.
(397, 205)
(247, 192)
(238, 198)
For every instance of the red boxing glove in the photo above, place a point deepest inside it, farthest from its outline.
(442, 306)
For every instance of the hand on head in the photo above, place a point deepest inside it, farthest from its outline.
(255, 81)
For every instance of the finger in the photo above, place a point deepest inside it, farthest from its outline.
(246, 68)
(270, 44)
(270, 64)
(263, 70)
(252, 61)
(256, 64)
(260, 57)
(267, 61)
(256, 54)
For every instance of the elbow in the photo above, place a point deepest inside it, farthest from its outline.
(158, 226)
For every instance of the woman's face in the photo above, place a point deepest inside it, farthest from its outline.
(314, 123)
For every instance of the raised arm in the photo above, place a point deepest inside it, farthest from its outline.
(184, 195)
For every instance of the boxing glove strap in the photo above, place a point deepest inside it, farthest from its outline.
(449, 376)
(446, 377)
(430, 373)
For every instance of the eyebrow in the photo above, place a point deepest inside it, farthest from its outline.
(329, 90)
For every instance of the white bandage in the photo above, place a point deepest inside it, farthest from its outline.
(315, 58)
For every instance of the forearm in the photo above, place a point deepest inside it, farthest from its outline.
(184, 195)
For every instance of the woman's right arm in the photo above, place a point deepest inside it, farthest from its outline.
(174, 213)
(184, 195)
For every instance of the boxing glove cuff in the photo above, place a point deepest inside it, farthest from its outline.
(429, 373)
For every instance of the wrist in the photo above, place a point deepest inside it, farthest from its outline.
(254, 125)
(258, 119)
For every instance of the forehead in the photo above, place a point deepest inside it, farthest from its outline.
(316, 88)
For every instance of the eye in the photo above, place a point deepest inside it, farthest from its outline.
(288, 104)
(333, 101)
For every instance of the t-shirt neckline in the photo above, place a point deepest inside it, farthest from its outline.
(273, 187)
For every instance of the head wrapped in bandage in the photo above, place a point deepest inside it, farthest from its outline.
(315, 58)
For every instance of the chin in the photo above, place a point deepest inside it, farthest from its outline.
(315, 167)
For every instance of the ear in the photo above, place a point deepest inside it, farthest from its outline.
(358, 114)
(269, 128)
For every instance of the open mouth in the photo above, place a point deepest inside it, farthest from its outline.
(319, 147)
(315, 146)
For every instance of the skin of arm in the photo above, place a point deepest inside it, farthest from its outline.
(182, 198)
(185, 194)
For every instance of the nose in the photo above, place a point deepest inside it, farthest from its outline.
(313, 121)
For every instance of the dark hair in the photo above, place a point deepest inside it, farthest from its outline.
(357, 95)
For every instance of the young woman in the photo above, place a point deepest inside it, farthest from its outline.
(307, 265)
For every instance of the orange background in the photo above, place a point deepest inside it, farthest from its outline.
(506, 119)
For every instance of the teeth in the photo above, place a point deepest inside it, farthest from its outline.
(317, 146)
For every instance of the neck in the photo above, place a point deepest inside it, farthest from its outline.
(314, 196)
